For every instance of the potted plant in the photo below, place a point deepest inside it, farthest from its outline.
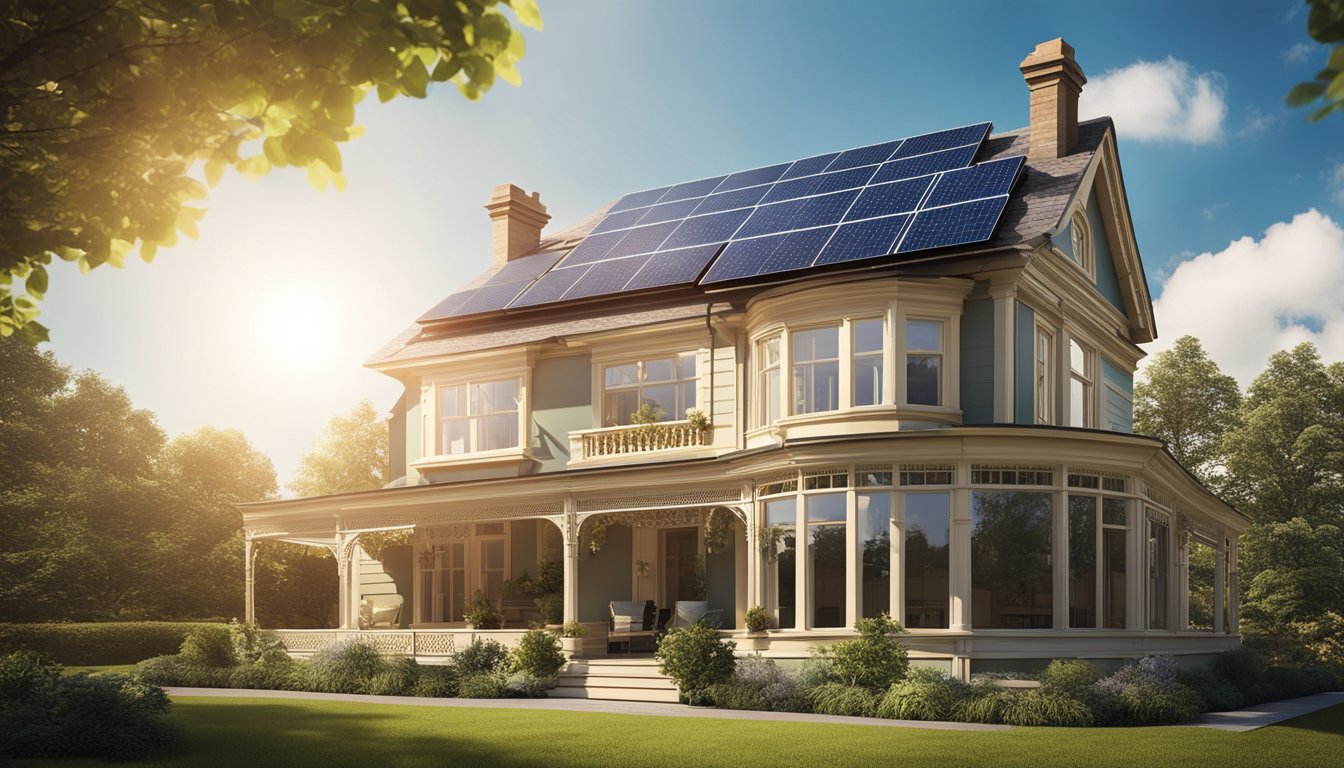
(480, 613)
(758, 626)
(571, 637)
(552, 608)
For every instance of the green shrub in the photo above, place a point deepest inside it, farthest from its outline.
(176, 671)
(254, 645)
(438, 681)
(209, 645)
(695, 658)
(925, 694)
(551, 607)
(840, 699)
(389, 683)
(1152, 703)
(1217, 694)
(485, 685)
(265, 677)
(817, 670)
(1071, 677)
(875, 659)
(43, 714)
(1320, 678)
(537, 654)
(346, 666)
(481, 657)
(1248, 671)
(521, 685)
(1289, 680)
(759, 684)
(757, 619)
(573, 628)
(1039, 706)
(97, 643)
(984, 702)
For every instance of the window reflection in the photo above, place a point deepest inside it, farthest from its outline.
(1010, 560)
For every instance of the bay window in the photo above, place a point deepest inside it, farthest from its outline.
(768, 354)
(826, 540)
(481, 416)
(874, 520)
(927, 528)
(781, 520)
(1098, 528)
(665, 384)
(816, 370)
(868, 363)
(1012, 582)
(923, 362)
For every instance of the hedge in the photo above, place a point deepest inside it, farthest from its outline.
(122, 642)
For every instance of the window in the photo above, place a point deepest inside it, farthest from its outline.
(816, 370)
(1082, 364)
(478, 417)
(443, 583)
(781, 520)
(770, 382)
(1012, 586)
(926, 559)
(1158, 562)
(923, 362)
(874, 519)
(665, 384)
(1080, 241)
(1096, 561)
(868, 362)
(1203, 601)
(1044, 396)
(826, 517)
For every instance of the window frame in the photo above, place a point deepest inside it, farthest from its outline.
(473, 438)
(794, 366)
(678, 412)
(1081, 243)
(1088, 379)
(908, 352)
(1043, 390)
(855, 356)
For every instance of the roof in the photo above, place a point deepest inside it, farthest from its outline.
(1035, 210)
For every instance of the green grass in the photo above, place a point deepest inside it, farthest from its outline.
(95, 669)
(255, 732)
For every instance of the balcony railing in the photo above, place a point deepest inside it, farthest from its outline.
(638, 438)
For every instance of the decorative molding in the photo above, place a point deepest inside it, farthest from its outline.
(635, 501)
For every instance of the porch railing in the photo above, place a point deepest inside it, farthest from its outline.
(405, 642)
(638, 438)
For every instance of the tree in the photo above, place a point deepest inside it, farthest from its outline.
(1189, 403)
(1291, 584)
(351, 455)
(1285, 458)
(109, 104)
(1325, 24)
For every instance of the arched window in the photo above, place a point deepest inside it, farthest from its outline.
(1080, 235)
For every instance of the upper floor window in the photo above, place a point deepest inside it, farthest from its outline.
(867, 362)
(481, 416)
(816, 370)
(1080, 241)
(1044, 395)
(923, 362)
(1082, 377)
(665, 384)
(768, 354)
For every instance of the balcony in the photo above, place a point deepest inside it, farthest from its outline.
(640, 439)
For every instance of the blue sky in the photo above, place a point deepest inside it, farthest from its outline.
(264, 322)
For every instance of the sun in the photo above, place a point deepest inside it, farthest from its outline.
(294, 328)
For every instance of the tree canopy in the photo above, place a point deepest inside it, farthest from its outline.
(1325, 92)
(351, 455)
(1188, 402)
(107, 105)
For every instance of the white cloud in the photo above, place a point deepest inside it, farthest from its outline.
(1336, 180)
(1299, 53)
(1159, 101)
(1256, 297)
(1211, 211)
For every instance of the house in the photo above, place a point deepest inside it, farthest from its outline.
(894, 378)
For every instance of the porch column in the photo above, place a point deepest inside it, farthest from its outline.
(249, 579)
(1233, 590)
(961, 554)
(1219, 584)
(569, 529)
(1059, 555)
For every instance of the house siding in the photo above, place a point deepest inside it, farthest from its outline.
(1023, 363)
(562, 396)
(1108, 283)
(607, 574)
(977, 362)
(719, 379)
(721, 582)
(414, 428)
(396, 439)
(1117, 397)
(392, 576)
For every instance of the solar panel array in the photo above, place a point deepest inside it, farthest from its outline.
(897, 197)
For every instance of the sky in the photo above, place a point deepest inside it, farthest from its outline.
(263, 324)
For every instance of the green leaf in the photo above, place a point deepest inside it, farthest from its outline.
(148, 248)
(1323, 111)
(529, 15)
(1337, 58)
(319, 175)
(214, 171)
(1304, 94)
(36, 282)
(34, 333)
(444, 70)
(415, 78)
(1335, 91)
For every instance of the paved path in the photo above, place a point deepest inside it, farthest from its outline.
(1267, 714)
(589, 705)
(1240, 720)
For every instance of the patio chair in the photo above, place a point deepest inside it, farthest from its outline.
(380, 609)
(687, 612)
(630, 619)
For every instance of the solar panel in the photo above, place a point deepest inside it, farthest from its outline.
(891, 197)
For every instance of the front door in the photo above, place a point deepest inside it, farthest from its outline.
(681, 554)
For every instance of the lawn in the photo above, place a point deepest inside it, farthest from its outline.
(234, 732)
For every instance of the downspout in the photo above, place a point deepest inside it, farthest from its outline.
(713, 341)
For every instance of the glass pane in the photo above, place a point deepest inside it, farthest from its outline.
(687, 399)
(617, 407)
(786, 580)
(686, 367)
(1201, 586)
(867, 336)
(816, 344)
(662, 399)
(924, 335)
(926, 559)
(772, 396)
(1113, 512)
(1077, 357)
(816, 387)
(1113, 577)
(874, 517)
(622, 375)
(494, 397)
(662, 369)
(781, 512)
(1011, 583)
(826, 556)
(770, 352)
(452, 401)
(921, 380)
(867, 380)
(826, 507)
(455, 437)
(1158, 553)
(497, 432)
(1077, 403)
(1082, 561)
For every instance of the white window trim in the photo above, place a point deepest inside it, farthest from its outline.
(471, 570)
(479, 371)
(1043, 381)
(639, 363)
(1088, 376)
(942, 355)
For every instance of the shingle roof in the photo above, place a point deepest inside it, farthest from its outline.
(1035, 209)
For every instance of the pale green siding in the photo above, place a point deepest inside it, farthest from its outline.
(977, 362)
(1024, 359)
(523, 548)
(1117, 397)
(393, 576)
(721, 582)
(606, 576)
(561, 403)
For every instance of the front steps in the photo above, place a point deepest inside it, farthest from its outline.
(615, 680)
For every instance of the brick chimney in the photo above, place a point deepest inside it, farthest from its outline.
(1055, 80)
(518, 219)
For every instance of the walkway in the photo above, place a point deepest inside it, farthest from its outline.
(1238, 721)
